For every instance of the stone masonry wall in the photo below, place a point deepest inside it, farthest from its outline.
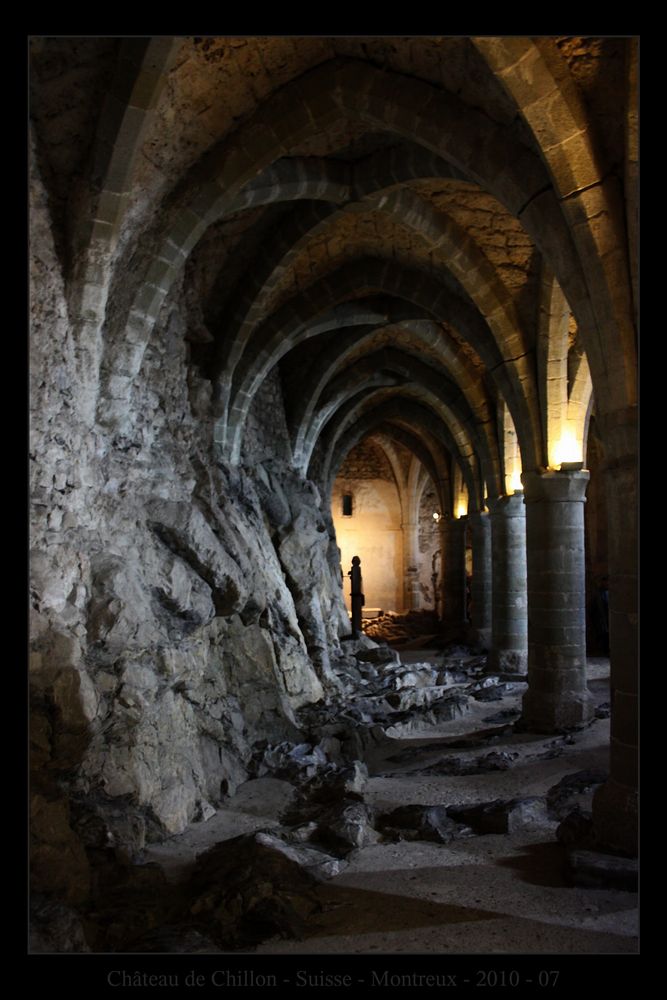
(366, 461)
(266, 435)
(429, 543)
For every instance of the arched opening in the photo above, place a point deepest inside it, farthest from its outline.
(295, 301)
(374, 532)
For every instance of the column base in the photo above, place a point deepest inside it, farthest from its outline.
(507, 661)
(452, 633)
(544, 713)
(478, 638)
(615, 818)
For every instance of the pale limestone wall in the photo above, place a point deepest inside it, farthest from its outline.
(374, 534)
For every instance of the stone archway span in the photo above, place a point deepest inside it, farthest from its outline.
(422, 335)
(538, 79)
(415, 110)
(365, 373)
(424, 447)
(289, 326)
(448, 242)
(419, 440)
(417, 406)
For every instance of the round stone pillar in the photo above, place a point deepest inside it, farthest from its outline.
(557, 696)
(509, 646)
(411, 590)
(453, 585)
(615, 803)
(481, 588)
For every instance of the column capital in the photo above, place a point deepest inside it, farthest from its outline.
(556, 486)
(509, 506)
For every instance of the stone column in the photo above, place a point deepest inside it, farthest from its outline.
(480, 524)
(509, 646)
(453, 572)
(411, 592)
(557, 696)
(615, 803)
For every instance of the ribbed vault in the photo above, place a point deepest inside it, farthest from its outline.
(427, 242)
(342, 193)
(358, 220)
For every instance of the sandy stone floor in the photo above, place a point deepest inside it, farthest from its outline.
(492, 894)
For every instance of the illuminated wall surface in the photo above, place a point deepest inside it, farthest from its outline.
(373, 533)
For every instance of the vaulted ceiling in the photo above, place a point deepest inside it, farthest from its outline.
(426, 237)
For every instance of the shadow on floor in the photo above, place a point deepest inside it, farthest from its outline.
(540, 864)
(349, 911)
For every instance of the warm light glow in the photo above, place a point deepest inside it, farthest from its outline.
(374, 534)
(436, 516)
(515, 481)
(567, 449)
(461, 501)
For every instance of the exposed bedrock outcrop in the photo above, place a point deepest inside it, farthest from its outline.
(181, 609)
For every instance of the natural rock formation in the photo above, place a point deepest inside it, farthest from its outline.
(180, 610)
(247, 889)
(421, 823)
(249, 256)
(500, 816)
